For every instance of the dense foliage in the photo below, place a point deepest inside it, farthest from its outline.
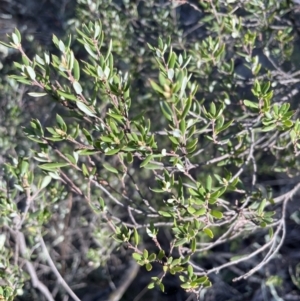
(168, 131)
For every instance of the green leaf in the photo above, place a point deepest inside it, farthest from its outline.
(136, 236)
(87, 152)
(156, 87)
(106, 139)
(269, 128)
(172, 60)
(271, 232)
(110, 168)
(208, 183)
(2, 242)
(225, 126)
(180, 242)
(77, 87)
(216, 214)
(137, 256)
(76, 70)
(88, 136)
(112, 151)
(174, 140)
(24, 167)
(161, 254)
(183, 86)
(15, 39)
(25, 60)
(261, 206)
(37, 94)
(171, 74)
(152, 257)
(194, 192)
(191, 210)
(115, 116)
(109, 49)
(208, 232)
(185, 259)
(165, 214)
(186, 108)
(190, 271)
(53, 166)
(84, 108)
(61, 123)
(61, 46)
(31, 72)
(39, 60)
(85, 170)
(6, 45)
(186, 285)
(213, 109)
(250, 104)
(145, 254)
(146, 161)
(288, 123)
(148, 267)
(71, 61)
(177, 269)
(66, 95)
(45, 182)
(200, 212)
(129, 157)
(193, 245)
(200, 280)
(154, 165)
(166, 110)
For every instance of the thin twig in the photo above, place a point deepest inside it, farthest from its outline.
(56, 272)
(36, 283)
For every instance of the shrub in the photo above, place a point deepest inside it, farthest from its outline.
(183, 142)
